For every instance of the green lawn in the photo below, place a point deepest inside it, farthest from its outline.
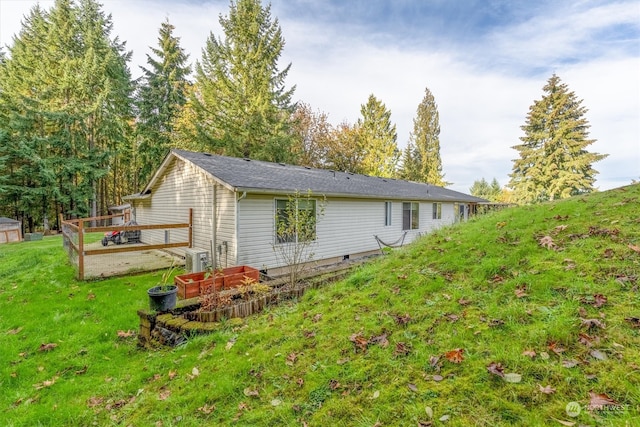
(546, 296)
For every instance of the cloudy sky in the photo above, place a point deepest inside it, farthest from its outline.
(485, 61)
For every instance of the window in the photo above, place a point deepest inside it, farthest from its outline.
(295, 220)
(410, 216)
(437, 211)
(387, 213)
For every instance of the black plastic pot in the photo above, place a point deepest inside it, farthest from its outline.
(162, 298)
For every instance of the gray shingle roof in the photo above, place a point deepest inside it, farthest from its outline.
(5, 220)
(258, 176)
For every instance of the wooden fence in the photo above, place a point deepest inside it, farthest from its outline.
(74, 231)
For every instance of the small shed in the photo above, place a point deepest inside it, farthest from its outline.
(10, 230)
(123, 210)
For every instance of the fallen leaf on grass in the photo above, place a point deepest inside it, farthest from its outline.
(376, 394)
(598, 300)
(46, 383)
(127, 334)
(95, 401)
(588, 340)
(547, 242)
(521, 291)
(164, 394)
(496, 369)
(359, 342)
(172, 374)
(14, 331)
(634, 248)
(438, 378)
(598, 355)
(82, 371)
(556, 347)
(634, 321)
(455, 355)
(598, 401)
(463, 301)
(402, 320)
(412, 387)
(570, 363)
(47, 347)
(230, 344)
(592, 323)
(317, 318)
(546, 389)
(529, 353)
(194, 372)
(207, 409)
(512, 377)
(251, 393)
(291, 359)
(402, 349)
(381, 340)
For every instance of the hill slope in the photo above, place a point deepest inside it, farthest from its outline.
(500, 321)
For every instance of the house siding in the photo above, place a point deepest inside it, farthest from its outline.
(347, 227)
(184, 186)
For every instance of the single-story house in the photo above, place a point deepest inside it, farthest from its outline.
(10, 230)
(236, 204)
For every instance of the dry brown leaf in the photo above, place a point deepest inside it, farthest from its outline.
(46, 383)
(207, 409)
(230, 344)
(496, 369)
(402, 320)
(599, 401)
(14, 331)
(592, 323)
(381, 340)
(95, 401)
(402, 349)
(547, 242)
(455, 355)
(556, 347)
(634, 248)
(463, 301)
(317, 318)
(291, 358)
(251, 393)
(412, 387)
(164, 394)
(126, 334)
(359, 342)
(570, 363)
(529, 353)
(47, 347)
(521, 291)
(546, 389)
(634, 321)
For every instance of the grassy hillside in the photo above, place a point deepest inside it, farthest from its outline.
(500, 321)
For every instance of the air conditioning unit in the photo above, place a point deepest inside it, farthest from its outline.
(196, 260)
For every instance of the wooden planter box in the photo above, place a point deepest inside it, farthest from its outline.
(194, 284)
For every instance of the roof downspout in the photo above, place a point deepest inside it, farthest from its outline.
(214, 219)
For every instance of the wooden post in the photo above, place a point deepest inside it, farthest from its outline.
(191, 227)
(81, 250)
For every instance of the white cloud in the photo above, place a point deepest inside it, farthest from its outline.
(483, 88)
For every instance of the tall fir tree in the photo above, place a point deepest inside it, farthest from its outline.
(490, 191)
(242, 106)
(554, 162)
(421, 161)
(65, 109)
(377, 139)
(160, 98)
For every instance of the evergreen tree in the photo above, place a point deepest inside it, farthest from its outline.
(160, 98)
(490, 191)
(554, 162)
(242, 106)
(313, 136)
(65, 109)
(421, 160)
(377, 139)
